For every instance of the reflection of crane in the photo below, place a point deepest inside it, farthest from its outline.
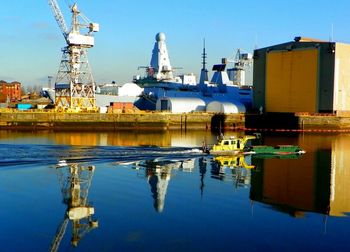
(75, 181)
(74, 86)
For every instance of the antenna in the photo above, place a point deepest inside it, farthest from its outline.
(332, 33)
(49, 80)
(204, 56)
(204, 72)
(256, 41)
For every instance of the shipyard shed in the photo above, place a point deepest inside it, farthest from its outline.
(225, 107)
(180, 104)
(305, 75)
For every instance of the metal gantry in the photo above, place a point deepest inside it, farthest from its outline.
(74, 85)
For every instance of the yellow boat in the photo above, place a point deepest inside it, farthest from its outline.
(229, 145)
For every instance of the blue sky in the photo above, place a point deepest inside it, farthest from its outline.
(30, 40)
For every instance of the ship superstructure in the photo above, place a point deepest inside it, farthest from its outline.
(160, 71)
(160, 85)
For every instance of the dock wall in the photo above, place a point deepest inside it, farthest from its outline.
(298, 121)
(28, 120)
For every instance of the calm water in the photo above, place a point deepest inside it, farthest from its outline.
(131, 191)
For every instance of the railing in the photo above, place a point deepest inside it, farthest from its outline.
(315, 114)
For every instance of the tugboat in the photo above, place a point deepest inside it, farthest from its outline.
(238, 146)
(229, 145)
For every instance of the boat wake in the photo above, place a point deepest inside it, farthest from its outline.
(53, 154)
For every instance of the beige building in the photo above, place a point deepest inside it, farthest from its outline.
(304, 75)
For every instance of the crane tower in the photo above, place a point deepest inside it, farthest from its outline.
(74, 85)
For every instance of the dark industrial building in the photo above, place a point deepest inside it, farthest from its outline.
(304, 75)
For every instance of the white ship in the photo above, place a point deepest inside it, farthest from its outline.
(164, 91)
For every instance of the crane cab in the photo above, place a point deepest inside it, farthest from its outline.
(94, 27)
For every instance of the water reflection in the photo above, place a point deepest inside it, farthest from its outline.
(158, 175)
(119, 138)
(158, 179)
(202, 164)
(239, 166)
(317, 182)
(75, 181)
(315, 185)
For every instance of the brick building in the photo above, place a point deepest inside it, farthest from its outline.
(10, 91)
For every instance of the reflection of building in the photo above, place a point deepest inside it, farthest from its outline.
(317, 182)
(340, 177)
(118, 138)
(292, 185)
(135, 138)
(75, 181)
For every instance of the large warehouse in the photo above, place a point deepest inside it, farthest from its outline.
(304, 75)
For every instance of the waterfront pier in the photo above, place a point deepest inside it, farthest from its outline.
(30, 120)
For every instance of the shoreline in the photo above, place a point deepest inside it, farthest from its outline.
(29, 120)
(278, 122)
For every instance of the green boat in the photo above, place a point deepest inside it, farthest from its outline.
(274, 150)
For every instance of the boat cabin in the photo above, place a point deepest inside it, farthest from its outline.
(232, 142)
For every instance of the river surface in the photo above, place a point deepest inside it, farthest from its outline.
(137, 191)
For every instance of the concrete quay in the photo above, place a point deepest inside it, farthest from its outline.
(49, 120)
(34, 120)
(320, 122)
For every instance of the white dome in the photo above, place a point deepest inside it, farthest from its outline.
(130, 89)
(226, 107)
(160, 37)
(180, 104)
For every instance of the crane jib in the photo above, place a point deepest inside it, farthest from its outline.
(59, 17)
